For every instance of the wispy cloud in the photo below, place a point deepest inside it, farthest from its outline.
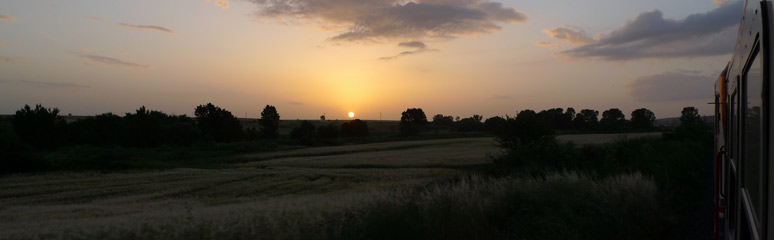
(650, 35)
(395, 20)
(418, 47)
(43, 84)
(570, 34)
(127, 25)
(11, 59)
(111, 61)
(549, 45)
(148, 27)
(500, 97)
(4, 17)
(220, 3)
(52, 84)
(672, 86)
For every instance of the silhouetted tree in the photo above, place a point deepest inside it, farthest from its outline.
(642, 119)
(554, 117)
(40, 127)
(354, 128)
(567, 118)
(412, 121)
(101, 130)
(471, 124)
(305, 130)
(692, 127)
(441, 121)
(218, 123)
(495, 124)
(586, 120)
(328, 132)
(689, 116)
(525, 128)
(322, 117)
(183, 130)
(613, 120)
(269, 122)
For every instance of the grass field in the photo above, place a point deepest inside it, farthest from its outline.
(270, 192)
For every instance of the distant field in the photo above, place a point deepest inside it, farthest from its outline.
(87, 204)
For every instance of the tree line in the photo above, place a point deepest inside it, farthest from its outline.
(43, 128)
(414, 121)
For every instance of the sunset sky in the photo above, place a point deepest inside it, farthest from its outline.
(309, 57)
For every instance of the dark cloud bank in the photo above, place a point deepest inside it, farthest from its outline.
(393, 21)
(650, 35)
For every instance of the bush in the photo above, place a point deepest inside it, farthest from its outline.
(102, 130)
(304, 133)
(526, 128)
(471, 124)
(329, 131)
(218, 124)
(40, 127)
(15, 155)
(495, 124)
(354, 128)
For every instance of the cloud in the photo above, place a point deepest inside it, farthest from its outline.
(722, 2)
(126, 25)
(672, 86)
(111, 61)
(7, 18)
(148, 27)
(570, 35)
(45, 84)
(500, 97)
(11, 59)
(394, 20)
(418, 47)
(650, 35)
(549, 45)
(52, 84)
(220, 3)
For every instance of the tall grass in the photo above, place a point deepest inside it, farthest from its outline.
(559, 206)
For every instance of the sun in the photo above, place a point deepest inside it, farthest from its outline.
(351, 114)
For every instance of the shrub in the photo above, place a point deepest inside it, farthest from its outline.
(303, 133)
(40, 127)
(495, 124)
(15, 155)
(329, 131)
(217, 123)
(354, 128)
(526, 128)
(102, 130)
(471, 124)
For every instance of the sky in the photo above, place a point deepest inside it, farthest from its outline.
(372, 57)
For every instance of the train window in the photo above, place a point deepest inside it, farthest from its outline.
(752, 118)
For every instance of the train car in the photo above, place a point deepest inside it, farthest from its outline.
(743, 197)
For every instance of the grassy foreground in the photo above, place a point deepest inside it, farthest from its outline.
(438, 189)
